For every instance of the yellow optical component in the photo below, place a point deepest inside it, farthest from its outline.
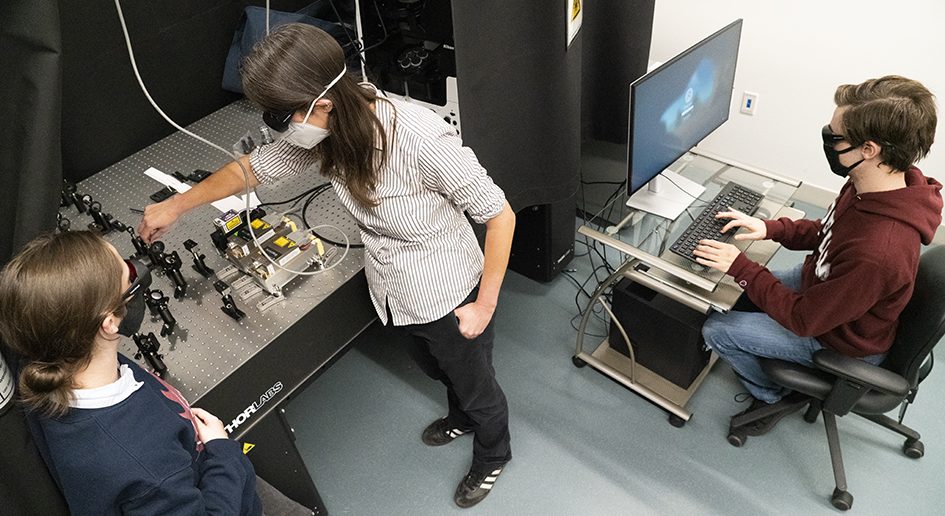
(233, 222)
(284, 242)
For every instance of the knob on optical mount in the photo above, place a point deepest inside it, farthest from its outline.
(200, 265)
(157, 302)
(229, 305)
(171, 264)
(148, 347)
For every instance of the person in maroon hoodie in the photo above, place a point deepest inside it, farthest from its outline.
(849, 292)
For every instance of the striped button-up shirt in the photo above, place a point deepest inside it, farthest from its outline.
(422, 257)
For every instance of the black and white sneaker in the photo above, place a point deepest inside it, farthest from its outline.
(439, 433)
(475, 486)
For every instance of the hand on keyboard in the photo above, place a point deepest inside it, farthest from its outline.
(733, 200)
(715, 254)
(756, 229)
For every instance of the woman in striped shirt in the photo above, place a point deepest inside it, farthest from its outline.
(403, 174)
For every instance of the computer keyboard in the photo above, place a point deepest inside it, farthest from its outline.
(706, 226)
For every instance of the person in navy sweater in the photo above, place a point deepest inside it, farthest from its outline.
(117, 439)
(849, 292)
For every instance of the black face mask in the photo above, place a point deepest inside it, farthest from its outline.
(134, 315)
(140, 277)
(833, 155)
(833, 158)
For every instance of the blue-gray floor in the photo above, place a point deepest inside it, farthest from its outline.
(584, 445)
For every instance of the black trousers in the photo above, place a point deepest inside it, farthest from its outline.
(476, 402)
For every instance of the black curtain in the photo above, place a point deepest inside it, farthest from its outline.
(180, 47)
(31, 174)
(520, 96)
(617, 37)
(527, 100)
(30, 84)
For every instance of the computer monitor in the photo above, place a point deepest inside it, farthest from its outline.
(672, 108)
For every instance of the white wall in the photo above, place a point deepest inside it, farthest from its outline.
(794, 54)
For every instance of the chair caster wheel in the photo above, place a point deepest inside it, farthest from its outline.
(676, 421)
(913, 449)
(737, 438)
(578, 362)
(842, 500)
(811, 414)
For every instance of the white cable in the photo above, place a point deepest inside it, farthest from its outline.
(347, 244)
(249, 226)
(360, 34)
(267, 17)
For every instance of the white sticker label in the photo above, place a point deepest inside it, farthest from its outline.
(6, 384)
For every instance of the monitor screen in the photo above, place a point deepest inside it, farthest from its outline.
(675, 106)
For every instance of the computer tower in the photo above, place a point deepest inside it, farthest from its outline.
(666, 336)
(544, 239)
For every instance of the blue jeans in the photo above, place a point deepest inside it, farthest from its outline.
(740, 338)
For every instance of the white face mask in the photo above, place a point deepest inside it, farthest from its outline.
(303, 134)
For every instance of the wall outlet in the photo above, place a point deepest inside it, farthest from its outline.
(749, 103)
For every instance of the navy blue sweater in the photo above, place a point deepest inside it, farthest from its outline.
(141, 456)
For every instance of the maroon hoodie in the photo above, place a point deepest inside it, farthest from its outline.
(862, 269)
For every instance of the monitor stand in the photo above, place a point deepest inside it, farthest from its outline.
(666, 195)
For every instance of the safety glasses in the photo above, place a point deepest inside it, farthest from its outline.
(140, 277)
(831, 139)
(278, 120)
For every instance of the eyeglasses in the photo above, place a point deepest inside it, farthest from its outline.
(278, 120)
(830, 138)
(140, 277)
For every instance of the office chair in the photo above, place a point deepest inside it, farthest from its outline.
(837, 384)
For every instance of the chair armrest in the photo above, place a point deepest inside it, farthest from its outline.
(858, 371)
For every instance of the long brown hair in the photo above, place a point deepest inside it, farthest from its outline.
(54, 295)
(289, 68)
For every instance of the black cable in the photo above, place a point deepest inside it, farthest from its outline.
(586, 332)
(581, 289)
(358, 50)
(603, 257)
(305, 206)
(698, 198)
(383, 27)
(344, 26)
(308, 201)
(296, 198)
(580, 286)
(592, 248)
(357, 45)
(616, 193)
(608, 206)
